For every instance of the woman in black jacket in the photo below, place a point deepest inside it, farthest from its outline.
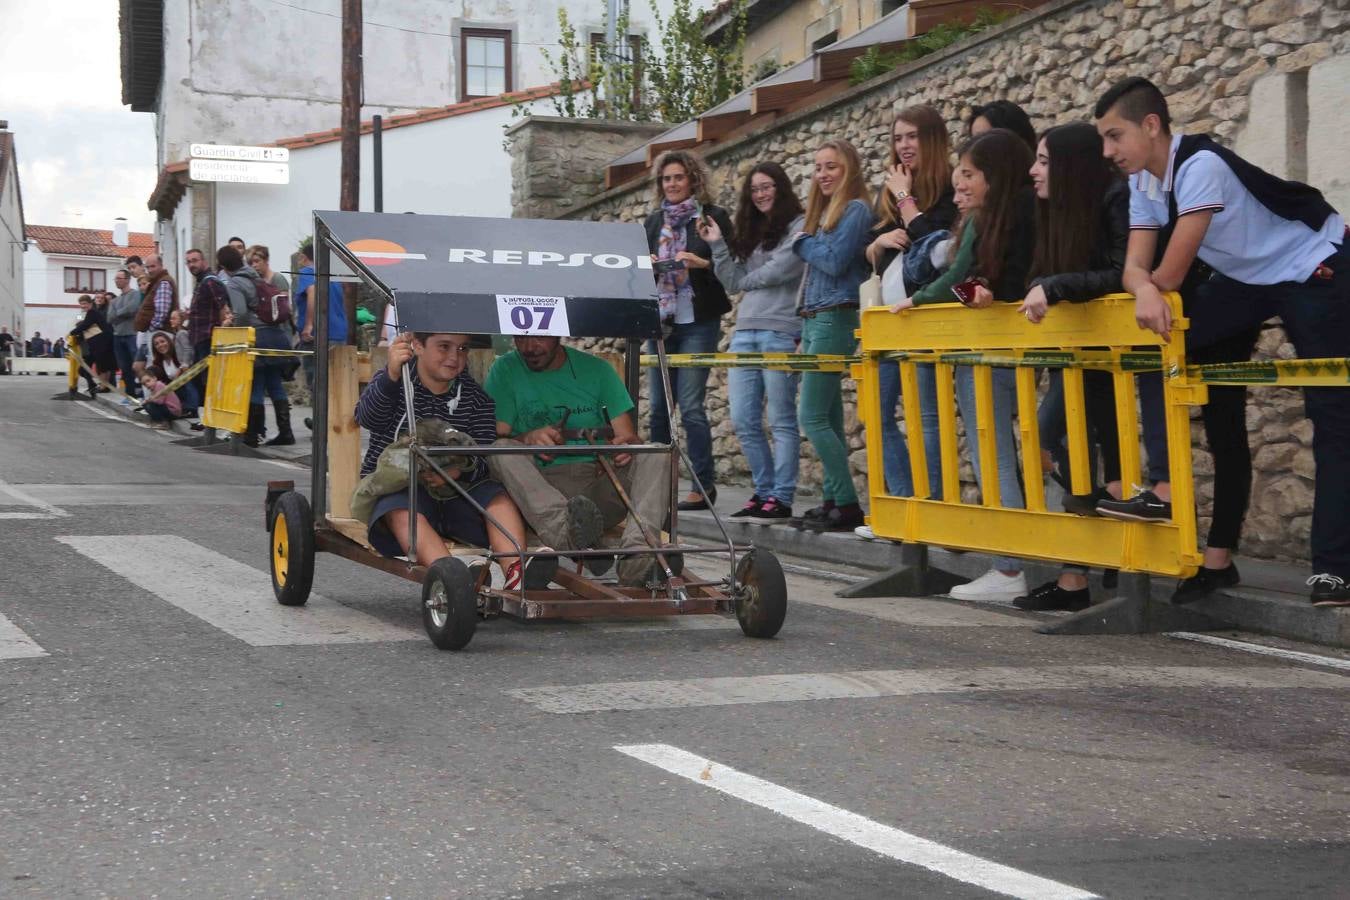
(916, 200)
(1082, 228)
(95, 348)
(692, 304)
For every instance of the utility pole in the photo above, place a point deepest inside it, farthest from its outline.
(350, 177)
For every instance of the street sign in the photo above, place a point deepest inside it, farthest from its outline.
(241, 154)
(239, 172)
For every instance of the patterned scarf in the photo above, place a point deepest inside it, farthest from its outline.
(674, 286)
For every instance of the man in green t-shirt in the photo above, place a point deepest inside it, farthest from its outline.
(545, 395)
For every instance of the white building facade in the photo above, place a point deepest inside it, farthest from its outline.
(63, 263)
(11, 237)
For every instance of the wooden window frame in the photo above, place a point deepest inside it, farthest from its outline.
(95, 275)
(506, 35)
(636, 46)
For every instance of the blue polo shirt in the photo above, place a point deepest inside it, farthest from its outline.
(337, 313)
(1245, 240)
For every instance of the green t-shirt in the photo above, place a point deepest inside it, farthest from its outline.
(582, 386)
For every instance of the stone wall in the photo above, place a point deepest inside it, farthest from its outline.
(1214, 59)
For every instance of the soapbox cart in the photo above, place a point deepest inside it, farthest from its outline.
(487, 277)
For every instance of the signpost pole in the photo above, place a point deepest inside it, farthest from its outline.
(377, 159)
(351, 132)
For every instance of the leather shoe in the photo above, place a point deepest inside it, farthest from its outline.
(700, 502)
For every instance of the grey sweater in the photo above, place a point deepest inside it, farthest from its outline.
(122, 313)
(769, 279)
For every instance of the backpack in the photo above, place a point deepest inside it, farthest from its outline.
(274, 304)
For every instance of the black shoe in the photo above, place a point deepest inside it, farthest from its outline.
(585, 523)
(705, 501)
(749, 509)
(1203, 583)
(309, 423)
(1142, 507)
(814, 514)
(1051, 596)
(1329, 590)
(841, 518)
(1110, 578)
(1085, 504)
(771, 512)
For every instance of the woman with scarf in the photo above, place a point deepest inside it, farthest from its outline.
(692, 304)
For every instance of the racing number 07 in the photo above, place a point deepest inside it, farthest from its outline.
(523, 317)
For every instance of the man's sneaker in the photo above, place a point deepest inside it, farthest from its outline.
(749, 509)
(841, 518)
(1203, 583)
(585, 523)
(771, 512)
(814, 514)
(1085, 504)
(1329, 590)
(992, 585)
(1142, 507)
(865, 532)
(536, 572)
(1051, 596)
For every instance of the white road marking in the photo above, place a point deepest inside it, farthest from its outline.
(233, 597)
(669, 623)
(882, 839)
(14, 644)
(161, 494)
(109, 414)
(1334, 662)
(690, 692)
(42, 509)
(919, 612)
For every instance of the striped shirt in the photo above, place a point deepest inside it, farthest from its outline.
(382, 411)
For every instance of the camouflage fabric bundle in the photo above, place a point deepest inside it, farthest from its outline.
(391, 471)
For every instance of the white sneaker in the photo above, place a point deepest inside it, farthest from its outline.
(483, 572)
(865, 532)
(992, 585)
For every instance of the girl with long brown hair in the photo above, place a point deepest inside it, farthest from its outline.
(757, 259)
(994, 243)
(838, 219)
(916, 200)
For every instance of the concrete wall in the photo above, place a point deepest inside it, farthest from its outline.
(788, 35)
(253, 71)
(11, 254)
(1056, 61)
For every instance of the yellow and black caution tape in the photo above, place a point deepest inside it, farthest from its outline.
(1333, 372)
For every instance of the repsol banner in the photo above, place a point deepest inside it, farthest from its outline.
(513, 276)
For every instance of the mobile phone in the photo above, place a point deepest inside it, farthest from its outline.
(965, 291)
(662, 266)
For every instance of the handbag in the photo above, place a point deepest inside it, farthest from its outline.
(869, 292)
(893, 288)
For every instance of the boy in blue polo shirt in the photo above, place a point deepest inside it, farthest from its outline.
(1276, 248)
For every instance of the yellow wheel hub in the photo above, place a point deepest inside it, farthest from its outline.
(280, 549)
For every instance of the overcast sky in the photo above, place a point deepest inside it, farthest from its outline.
(84, 158)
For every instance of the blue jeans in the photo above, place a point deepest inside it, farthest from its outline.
(124, 348)
(689, 387)
(267, 369)
(752, 392)
(1005, 401)
(188, 397)
(896, 461)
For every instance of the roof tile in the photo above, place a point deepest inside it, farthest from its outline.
(88, 241)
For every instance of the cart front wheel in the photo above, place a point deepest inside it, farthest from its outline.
(761, 594)
(449, 604)
(292, 549)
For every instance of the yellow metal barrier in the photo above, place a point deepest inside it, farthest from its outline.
(229, 380)
(1000, 331)
(73, 358)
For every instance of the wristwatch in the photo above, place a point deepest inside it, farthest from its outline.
(900, 196)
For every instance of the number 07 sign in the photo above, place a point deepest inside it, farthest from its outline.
(532, 315)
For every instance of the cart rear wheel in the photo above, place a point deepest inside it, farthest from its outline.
(761, 595)
(291, 548)
(449, 604)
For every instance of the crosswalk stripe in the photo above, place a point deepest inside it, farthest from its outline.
(690, 692)
(14, 644)
(40, 509)
(233, 597)
(849, 826)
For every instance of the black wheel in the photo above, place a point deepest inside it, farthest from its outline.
(292, 549)
(449, 604)
(761, 594)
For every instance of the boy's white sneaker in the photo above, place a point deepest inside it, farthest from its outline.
(992, 585)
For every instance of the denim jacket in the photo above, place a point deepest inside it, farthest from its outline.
(835, 265)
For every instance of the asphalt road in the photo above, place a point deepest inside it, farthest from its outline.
(168, 731)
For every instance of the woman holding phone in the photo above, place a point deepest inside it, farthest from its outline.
(758, 260)
(916, 200)
(692, 304)
(838, 220)
(994, 245)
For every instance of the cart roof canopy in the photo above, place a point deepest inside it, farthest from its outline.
(501, 276)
